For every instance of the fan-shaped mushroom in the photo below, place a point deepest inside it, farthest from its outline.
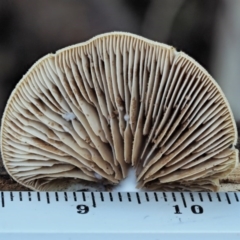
(92, 110)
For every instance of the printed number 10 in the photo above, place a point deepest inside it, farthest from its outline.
(196, 209)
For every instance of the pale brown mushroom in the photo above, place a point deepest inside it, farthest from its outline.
(93, 110)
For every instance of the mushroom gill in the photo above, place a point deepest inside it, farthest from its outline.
(93, 110)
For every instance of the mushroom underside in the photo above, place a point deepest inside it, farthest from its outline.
(88, 113)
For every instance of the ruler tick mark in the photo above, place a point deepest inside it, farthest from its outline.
(65, 196)
(11, 196)
(209, 197)
(74, 196)
(146, 195)
(56, 196)
(120, 197)
(174, 197)
(200, 196)
(83, 196)
(101, 196)
(2, 197)
(110, 196)
(191, 196)
(228, 199)
(20, 196)
(129, 197)
(93, 199)
(236, 196)
(165, 196)
(138, 198)
(218, 197)
(156, 197)
(183, 199)
(29, 197)
(38, 196)
(47, 196)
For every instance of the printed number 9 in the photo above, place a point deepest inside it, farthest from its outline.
(82, 209)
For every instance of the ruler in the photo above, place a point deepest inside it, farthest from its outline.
(119, 216)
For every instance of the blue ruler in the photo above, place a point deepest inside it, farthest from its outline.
(119, 216)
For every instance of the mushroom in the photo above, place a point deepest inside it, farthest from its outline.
(88, 113)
